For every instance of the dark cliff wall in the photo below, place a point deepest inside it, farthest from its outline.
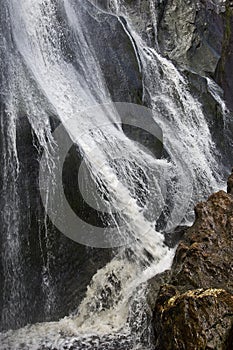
(197, 35)
(224, 72)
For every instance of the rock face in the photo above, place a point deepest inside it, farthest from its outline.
(199, 319)
(208, 242)
(194, 39)
(196, 35)
(55, 269)
(194, 305)
(223, 73)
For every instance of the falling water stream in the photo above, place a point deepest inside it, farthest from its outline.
(42, 81)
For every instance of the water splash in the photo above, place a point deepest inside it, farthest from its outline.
(49, 82)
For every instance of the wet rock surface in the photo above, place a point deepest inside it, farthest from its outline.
(55, 269)
(193, 302)
(197, 36)
(191, 33)
(223, 74)
(198, 319)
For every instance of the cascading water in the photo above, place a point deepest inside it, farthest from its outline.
(44, 80)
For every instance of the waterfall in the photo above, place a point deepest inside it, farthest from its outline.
(47, 77)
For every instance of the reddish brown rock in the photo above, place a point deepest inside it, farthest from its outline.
(204, 257)
(196, 320)
(186, 317)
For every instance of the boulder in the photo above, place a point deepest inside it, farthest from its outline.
(193, 302)
(195, 320)
(204, 257)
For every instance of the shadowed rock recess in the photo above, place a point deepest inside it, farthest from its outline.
(193, 302)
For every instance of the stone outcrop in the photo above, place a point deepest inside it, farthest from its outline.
(193, 302)
(197, 36)
(191, 33)
(198, 319)
(223, 74)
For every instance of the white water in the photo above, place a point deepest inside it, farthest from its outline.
(217, 92)
(67, 91)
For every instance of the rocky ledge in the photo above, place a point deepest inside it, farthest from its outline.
(193, 302)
